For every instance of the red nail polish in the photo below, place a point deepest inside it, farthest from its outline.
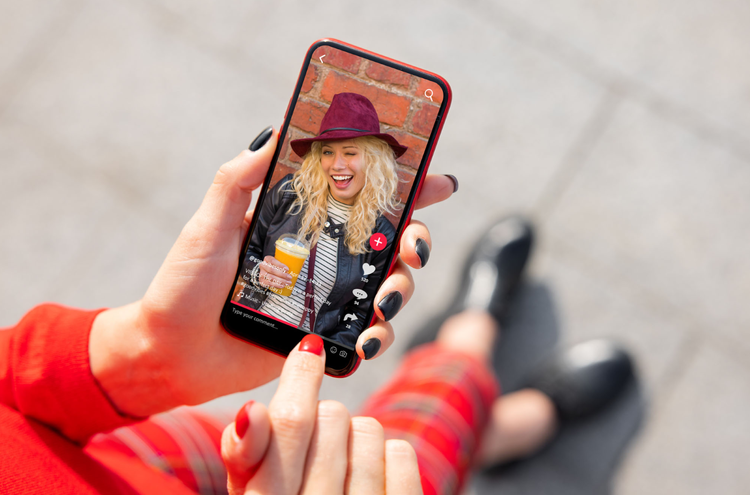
(242, 421)
(312, 343)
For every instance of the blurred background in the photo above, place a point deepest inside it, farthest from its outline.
(621, 128)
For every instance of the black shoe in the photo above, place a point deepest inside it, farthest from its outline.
(492, 272)
(585, 378)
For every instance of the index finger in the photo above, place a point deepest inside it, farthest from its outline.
(292, 412)
(436, 188)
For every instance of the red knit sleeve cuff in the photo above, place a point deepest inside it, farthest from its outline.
(51, 373)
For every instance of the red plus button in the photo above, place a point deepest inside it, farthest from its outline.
(378, 241)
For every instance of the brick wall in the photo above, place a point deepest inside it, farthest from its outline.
(399, 99)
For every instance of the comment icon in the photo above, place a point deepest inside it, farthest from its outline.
(359, 293)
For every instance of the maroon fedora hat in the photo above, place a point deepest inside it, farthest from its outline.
(350, 116)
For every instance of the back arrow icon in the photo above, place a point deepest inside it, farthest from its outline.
(321, 58)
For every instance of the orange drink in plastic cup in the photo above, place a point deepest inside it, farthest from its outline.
(293, 253)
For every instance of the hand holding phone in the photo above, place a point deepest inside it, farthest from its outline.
(168, 349)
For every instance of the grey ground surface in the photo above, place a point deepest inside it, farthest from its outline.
(621, 128)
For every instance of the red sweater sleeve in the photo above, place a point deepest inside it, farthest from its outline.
(45, 373)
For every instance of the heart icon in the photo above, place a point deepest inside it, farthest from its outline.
(368, 268)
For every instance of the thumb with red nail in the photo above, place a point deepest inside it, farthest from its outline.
(244, 443)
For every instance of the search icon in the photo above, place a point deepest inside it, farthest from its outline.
(428, 93)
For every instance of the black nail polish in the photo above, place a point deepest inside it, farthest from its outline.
(371, 347)
(455, 182)
(262, 139)
(390, 304)
(423, 251)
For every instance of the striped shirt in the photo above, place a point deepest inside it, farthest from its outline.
(290, 308)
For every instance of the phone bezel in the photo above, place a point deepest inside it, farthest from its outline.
(283, 340)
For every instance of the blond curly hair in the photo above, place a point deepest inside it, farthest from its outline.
(378, 196)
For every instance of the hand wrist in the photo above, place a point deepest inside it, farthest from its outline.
(126, 365)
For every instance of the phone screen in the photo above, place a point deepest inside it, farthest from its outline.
(353, 149)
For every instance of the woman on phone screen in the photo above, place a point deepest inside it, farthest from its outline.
(328, 211)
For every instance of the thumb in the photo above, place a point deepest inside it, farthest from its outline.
(211, 237)
(243, 445)
(228, 199)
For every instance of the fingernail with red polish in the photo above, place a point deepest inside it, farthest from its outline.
(312, 343)
(242, 421)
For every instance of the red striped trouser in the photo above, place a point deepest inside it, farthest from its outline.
(438, 400)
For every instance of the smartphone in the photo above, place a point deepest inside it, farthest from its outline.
(353, 151)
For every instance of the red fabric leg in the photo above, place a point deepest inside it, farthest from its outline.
(184, 443)
(439, 401)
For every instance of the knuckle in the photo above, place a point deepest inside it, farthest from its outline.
(306, 366)
(192, 243)
(367, 426)
(399, 448)
(333, 411)
(224, 174)
(289, 419)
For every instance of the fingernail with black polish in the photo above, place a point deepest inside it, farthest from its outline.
(390, 304)
(423, 251)
(455, 182)
(262, 139)
(371, 347)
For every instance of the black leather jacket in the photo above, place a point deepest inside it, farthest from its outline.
(275, 221)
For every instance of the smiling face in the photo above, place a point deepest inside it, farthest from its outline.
(343, 163)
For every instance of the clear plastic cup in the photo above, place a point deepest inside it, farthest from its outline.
(293, 253)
